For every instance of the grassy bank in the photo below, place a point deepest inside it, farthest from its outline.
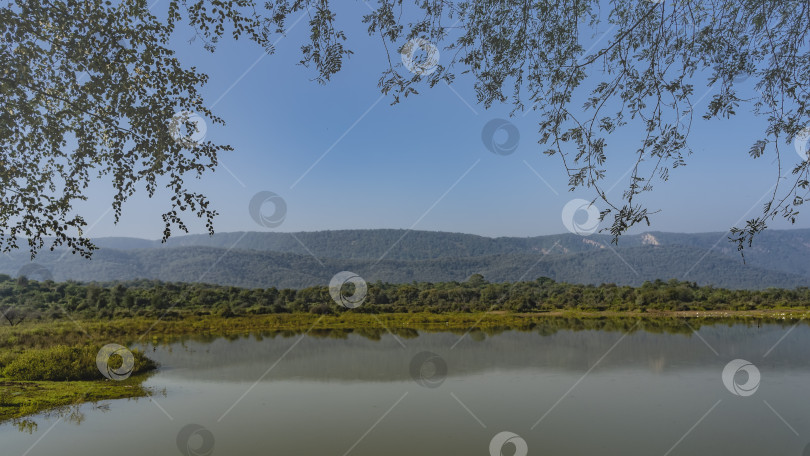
(23, 398)
(40, 379)
(141, 330)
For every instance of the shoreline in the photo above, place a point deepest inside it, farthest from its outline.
(144, 330)
(20, 399)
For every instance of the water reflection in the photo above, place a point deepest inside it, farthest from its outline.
(546, 327)
(566, 387)
(572, 345)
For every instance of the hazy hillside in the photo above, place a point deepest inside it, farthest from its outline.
(247, 268)
(785, 251)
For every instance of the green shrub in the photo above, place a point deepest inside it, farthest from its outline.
(63, 363)
(5, 397)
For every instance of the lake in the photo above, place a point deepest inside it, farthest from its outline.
(548, 391)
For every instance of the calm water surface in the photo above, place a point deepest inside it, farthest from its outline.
(567, 393)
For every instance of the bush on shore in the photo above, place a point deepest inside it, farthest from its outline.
(65, 363)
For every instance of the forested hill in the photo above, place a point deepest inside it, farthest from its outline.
(779, 250)
(279, 260)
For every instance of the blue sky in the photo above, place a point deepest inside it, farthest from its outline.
(420, 164)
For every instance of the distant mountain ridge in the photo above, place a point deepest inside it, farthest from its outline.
(295, 260)
(779, 250)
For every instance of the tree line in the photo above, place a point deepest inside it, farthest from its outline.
(22, 299)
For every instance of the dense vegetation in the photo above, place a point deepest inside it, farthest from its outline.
(22, 299)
